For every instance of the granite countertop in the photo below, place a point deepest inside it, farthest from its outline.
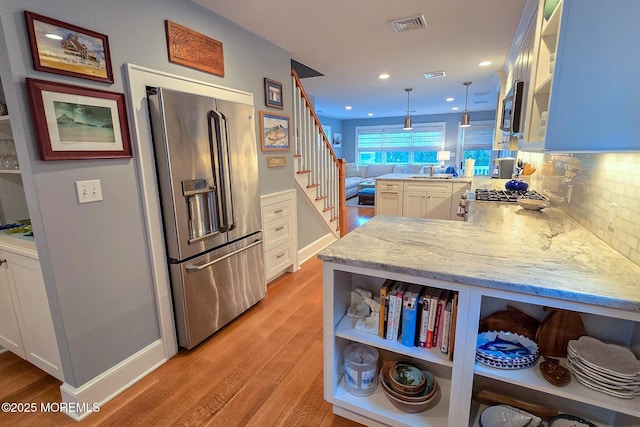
(422, 178)
(502, 246)
(18, 244)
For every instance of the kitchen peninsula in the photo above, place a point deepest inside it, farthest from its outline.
(502, 256)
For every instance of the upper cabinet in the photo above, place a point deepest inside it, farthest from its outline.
(583, 77)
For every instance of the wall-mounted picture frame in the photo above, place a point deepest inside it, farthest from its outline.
(273, 94)
(194, 50)
(62, 48)
(73, 122)
(274, 131)
(337, 139)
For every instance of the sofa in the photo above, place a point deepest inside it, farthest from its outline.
(356, 173)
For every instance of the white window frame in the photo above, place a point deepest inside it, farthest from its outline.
(417, 127)
(475, 126)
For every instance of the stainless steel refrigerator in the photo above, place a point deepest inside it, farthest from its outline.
(207, 171)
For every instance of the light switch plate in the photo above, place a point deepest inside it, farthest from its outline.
(89, 191)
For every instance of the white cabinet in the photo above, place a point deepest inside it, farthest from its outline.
(427, 200)
(389, 198)
(279, 225)
(458, 378)
(419, 199)
(24, 304)
(586, 92)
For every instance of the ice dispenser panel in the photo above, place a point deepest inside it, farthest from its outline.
(200, 196)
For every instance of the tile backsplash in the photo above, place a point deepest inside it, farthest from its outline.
(601, 191)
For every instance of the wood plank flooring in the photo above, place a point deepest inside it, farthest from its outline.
(263, 369)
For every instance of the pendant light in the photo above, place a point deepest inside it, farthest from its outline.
(407, 120)
(465, 120)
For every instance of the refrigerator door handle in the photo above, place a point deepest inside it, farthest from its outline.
(221, 161)
(200, 267)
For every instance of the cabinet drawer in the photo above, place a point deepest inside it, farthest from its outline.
(277, 259)
(277, 232)
(276, 210)
(389, 185)
(430, 187)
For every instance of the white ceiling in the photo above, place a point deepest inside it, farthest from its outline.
(351, 42)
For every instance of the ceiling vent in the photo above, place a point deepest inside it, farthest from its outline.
(411, 23)
(434, 74)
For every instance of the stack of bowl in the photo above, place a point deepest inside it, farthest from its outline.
(408, 387)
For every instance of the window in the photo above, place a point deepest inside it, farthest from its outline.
(477, 143)
(394, 145)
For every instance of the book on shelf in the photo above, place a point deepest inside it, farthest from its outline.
(446, 326)
(390, 309)
(410, 315)
(397, 315)
(384, 303)
(433, 308)
(438, 328)
(454, 319)
(425, 300)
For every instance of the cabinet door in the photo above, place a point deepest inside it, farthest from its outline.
(438, 205)
(9, 331)
(414, 204)
(388, 202)
(34, 316)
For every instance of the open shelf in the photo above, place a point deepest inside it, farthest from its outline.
(345, 330)
(379, 408)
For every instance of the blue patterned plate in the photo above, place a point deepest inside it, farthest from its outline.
(506, 347)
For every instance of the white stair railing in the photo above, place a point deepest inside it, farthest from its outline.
(319, 173)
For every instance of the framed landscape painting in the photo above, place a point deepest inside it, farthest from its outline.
(73, 122)
(274, 131)
(61, 48)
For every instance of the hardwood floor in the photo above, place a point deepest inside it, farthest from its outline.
(263, 369)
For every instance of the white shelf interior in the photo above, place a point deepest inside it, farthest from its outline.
(379, 407)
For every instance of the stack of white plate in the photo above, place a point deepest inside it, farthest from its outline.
(506, 350)
(608, 368)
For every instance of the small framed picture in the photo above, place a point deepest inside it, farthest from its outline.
(274, 131)
(73, 122)
(61, 48)
(337, 139)
(273, 94)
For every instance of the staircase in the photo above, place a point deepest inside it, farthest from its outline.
(319, 173)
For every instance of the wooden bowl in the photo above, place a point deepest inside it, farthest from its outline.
(407, 379)
(427, 394)
(408, 406)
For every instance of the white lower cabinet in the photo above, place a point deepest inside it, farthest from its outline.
(279, 227)
(459, 378)
(388, 198)
(24, 304)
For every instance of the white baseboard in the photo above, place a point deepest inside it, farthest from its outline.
(312, 249)
(80, 402)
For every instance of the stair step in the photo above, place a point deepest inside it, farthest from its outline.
(320, 198)
(327, 209)
(298, 156)
(335, 218)
(313, 185)
(304, 171)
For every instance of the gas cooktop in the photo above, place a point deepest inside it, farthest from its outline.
(490, 195)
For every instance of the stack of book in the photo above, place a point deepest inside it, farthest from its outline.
(418, 316)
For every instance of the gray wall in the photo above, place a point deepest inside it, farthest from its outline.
(451, 136)
(94, 259)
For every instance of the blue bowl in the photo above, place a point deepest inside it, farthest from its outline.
(516, 185)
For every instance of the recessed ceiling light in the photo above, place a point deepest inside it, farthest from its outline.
(455, 108)
(53, 36)
(370, 114)
(449, 99)
(348, 107)
(383, 76)
(485, 63)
